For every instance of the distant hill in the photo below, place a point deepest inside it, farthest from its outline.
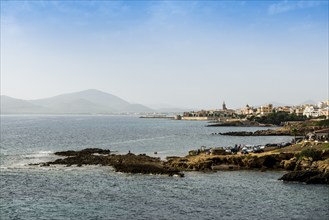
(18, 106)
(85, 102)
(309, 102)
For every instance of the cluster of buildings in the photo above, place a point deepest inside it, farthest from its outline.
(308, 110)
(223, 113)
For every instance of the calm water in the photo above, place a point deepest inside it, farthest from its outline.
(99, 193)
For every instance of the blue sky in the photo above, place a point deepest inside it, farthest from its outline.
(181, 53)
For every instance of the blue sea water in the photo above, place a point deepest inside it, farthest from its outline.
(94, 192)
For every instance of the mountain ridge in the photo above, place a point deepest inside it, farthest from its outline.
(89, 101)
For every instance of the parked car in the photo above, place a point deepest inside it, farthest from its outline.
(244, 150)
(284, 144)
(257, 149)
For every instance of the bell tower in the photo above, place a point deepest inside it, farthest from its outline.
(224, 106)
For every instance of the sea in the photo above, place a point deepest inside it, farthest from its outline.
(97, 192)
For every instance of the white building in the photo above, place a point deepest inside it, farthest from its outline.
(311, 111)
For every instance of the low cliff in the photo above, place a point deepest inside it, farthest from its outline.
(298, 159)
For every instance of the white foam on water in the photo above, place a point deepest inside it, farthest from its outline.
(39, 154)
(141, 140)
(23, 161)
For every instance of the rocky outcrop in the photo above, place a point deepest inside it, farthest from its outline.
(129, 163)
(307, 166)
(86, 151)
(307, 169)
(229, 162)
(303, 169)
(307, 176)
(238, 124)
(238, 133)
(145, 168)
(289, 164)
(268, 132)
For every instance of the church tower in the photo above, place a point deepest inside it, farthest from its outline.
(224, 106)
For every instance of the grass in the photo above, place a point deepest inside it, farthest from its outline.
(304, 146)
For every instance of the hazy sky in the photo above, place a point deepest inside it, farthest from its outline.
(183, 53)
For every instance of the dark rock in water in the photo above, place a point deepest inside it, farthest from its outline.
(307, 176)
(129, 163)
(268, 132)
(237, 123)
(86, 151)
(322, 178)
(145, 168)
(82, 159)
(238, 133)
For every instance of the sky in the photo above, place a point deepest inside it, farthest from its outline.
(189, 54)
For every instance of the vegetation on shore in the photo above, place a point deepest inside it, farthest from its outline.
(323, 123)
(277, 118)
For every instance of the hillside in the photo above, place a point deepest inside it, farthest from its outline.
(18, 106)
(84, 102)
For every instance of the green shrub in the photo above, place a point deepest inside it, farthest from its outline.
(277, 118)
(323, 123)
(314, 154)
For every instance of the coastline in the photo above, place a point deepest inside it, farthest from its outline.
(306, 163)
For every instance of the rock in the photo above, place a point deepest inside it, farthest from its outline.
(86, 151)
(289, 164)
(321, 165)
(225, 167)
(129, 163)
(213, 162)
(322, 178)
(238, 133)
(306, 176)
(268, 132)
(242, 123)
(304, 163)
(270, 161)
(146, 168)
(45, 165)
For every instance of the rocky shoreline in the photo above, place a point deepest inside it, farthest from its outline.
(304, 163)
(268, 132)
(306, 169)
(297, 129)
(245, 123)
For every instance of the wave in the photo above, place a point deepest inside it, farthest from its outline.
(142, 139)
(23, 160)
(39, 154)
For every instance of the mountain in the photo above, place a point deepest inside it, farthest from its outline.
(19, 106)
(309, 102)
(85, 102)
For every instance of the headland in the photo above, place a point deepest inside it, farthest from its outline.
(306, 162)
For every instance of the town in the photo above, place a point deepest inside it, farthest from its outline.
(321, 110)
